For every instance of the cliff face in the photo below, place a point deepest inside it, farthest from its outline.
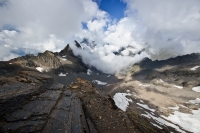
(63, 61)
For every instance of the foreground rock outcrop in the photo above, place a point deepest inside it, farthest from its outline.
(33, 102)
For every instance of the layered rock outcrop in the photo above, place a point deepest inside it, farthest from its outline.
(34, 102)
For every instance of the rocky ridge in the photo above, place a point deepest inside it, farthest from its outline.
(63, 61)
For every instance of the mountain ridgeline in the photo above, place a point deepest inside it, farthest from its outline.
(63, 61)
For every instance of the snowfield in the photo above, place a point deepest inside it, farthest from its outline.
(189, 122)
(161, 121)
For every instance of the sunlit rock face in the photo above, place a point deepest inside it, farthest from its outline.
(63, 61)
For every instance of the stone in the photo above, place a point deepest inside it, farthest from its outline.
(50, 94)
(75, 87)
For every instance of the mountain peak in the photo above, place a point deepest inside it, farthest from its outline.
(66, 50)
(77, 44)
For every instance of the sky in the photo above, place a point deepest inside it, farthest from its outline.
(115, 8)
(159, 29)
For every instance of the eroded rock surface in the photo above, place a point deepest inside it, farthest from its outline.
(33, 102)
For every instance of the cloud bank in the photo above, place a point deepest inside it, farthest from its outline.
(160, 29)
(37, 25)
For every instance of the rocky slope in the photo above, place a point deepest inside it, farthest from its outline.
(63, 61)
(34, 102)
(164, 91)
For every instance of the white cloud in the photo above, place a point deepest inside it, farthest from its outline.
(168, 24)
(37, 25)
(104, 60)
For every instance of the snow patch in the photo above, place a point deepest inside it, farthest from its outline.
(108, 76)
(40, 69)
(10, 63)
(64, 56)
(197, 89)
(197, 101)
(189, 122)
(121, 101)
(179, 87)
(174, 108)
(99, 82)
(161, 80)
(146, 116)
(156, 125)
(144, 85)
(163, 122)
(141, 101)
(195, 68)
(183, 106)
(64, 59)
(62, 74)
(146, 107)
(89, 72)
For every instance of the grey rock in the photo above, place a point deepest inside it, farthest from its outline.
(46, 106)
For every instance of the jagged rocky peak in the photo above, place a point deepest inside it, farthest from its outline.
(63, 61)
(66, 50)
(46, 53)
(77, 44)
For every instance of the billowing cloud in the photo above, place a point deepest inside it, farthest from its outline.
(37, 25)
(104, 60)
(167, 25)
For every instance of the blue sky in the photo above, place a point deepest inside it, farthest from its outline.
(115, 8)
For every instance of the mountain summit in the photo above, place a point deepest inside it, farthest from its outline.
(63, 61)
